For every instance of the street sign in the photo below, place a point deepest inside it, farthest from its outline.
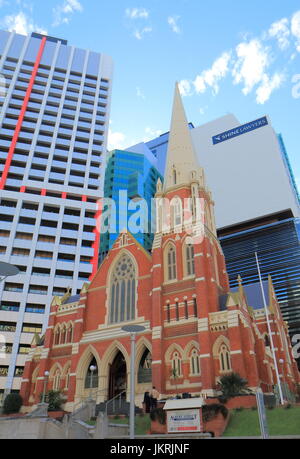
(240, 130)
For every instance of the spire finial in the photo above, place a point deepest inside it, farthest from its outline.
(181, 158)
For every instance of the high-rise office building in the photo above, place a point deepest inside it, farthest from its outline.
(130, 182)
(256, 203)
(54, 124)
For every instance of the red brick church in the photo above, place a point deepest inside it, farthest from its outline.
(196, 329)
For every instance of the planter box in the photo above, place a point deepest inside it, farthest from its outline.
(217, 425)
(157, 428)
(56, 414)
(245, 401)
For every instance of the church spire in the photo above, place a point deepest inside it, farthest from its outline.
(181, 157)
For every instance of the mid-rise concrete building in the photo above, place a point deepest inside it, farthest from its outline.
(54, 123)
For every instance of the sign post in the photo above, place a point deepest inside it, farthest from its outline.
(184, 415)
(262, 415)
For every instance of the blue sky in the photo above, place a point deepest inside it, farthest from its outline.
(229, 57)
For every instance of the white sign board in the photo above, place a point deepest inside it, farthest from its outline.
(184, 421)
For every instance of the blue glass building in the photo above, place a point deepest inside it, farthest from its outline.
(130, 182)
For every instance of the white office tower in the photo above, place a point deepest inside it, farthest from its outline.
(54, 114)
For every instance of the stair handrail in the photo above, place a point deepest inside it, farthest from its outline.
(85, 399)
(113, 400)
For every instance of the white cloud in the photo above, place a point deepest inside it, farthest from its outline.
(295, 28)
(185, 88)
(137, 13)
(249, 69)
(139, 33)
(212, 76)
(22, 24)
(250, 63)
(172, 21)
(281, 31)
(116, 140)
(62, 13)
(151, 134)
(267, 86)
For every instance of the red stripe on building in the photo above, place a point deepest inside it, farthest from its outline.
(96, 244)
(21, 115)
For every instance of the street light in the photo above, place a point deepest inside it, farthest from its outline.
(281, 361)
(92, 369)
(269, 331)
(133, 330)
(46, 375)
(6, 270)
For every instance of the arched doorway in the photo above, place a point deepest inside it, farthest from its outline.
(117, 376)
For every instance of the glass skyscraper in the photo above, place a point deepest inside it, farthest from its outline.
(130, 177)
(54, 117)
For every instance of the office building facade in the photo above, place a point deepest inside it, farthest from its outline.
(54, 124)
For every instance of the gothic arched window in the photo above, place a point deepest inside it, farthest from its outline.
(194, 363)
(190, 261)
(56, 380)
(225, 363)
(176, 365)
(123, 291)
(176, 209)
(171, 263)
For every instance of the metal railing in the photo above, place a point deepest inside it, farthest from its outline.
(94, 396)
(117, 399)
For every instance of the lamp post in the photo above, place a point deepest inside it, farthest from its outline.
(6, 270)
(92, 369)
(269, 331)
(46, 375)
(281, 361)
(133, 330)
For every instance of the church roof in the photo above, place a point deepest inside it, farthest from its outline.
(72, 299)
(253, 295)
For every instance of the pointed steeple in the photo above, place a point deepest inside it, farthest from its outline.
(181, 157)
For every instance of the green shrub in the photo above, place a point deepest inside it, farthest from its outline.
(12, 404)
(209, 412)
(54, 399)
(158, 414)
(232, 385)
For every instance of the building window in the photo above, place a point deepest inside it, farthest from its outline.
(190, 261)
(177, 310)
(176, 365)
(91, 378)
(168, 313)
(56, 380)
(176, 208)
(171, 263)
(67, 379)
(195, 307)
(225, 362)
(123, 291)
(194, 363)
(186, 309)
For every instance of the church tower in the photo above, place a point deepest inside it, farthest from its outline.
(189, 273)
